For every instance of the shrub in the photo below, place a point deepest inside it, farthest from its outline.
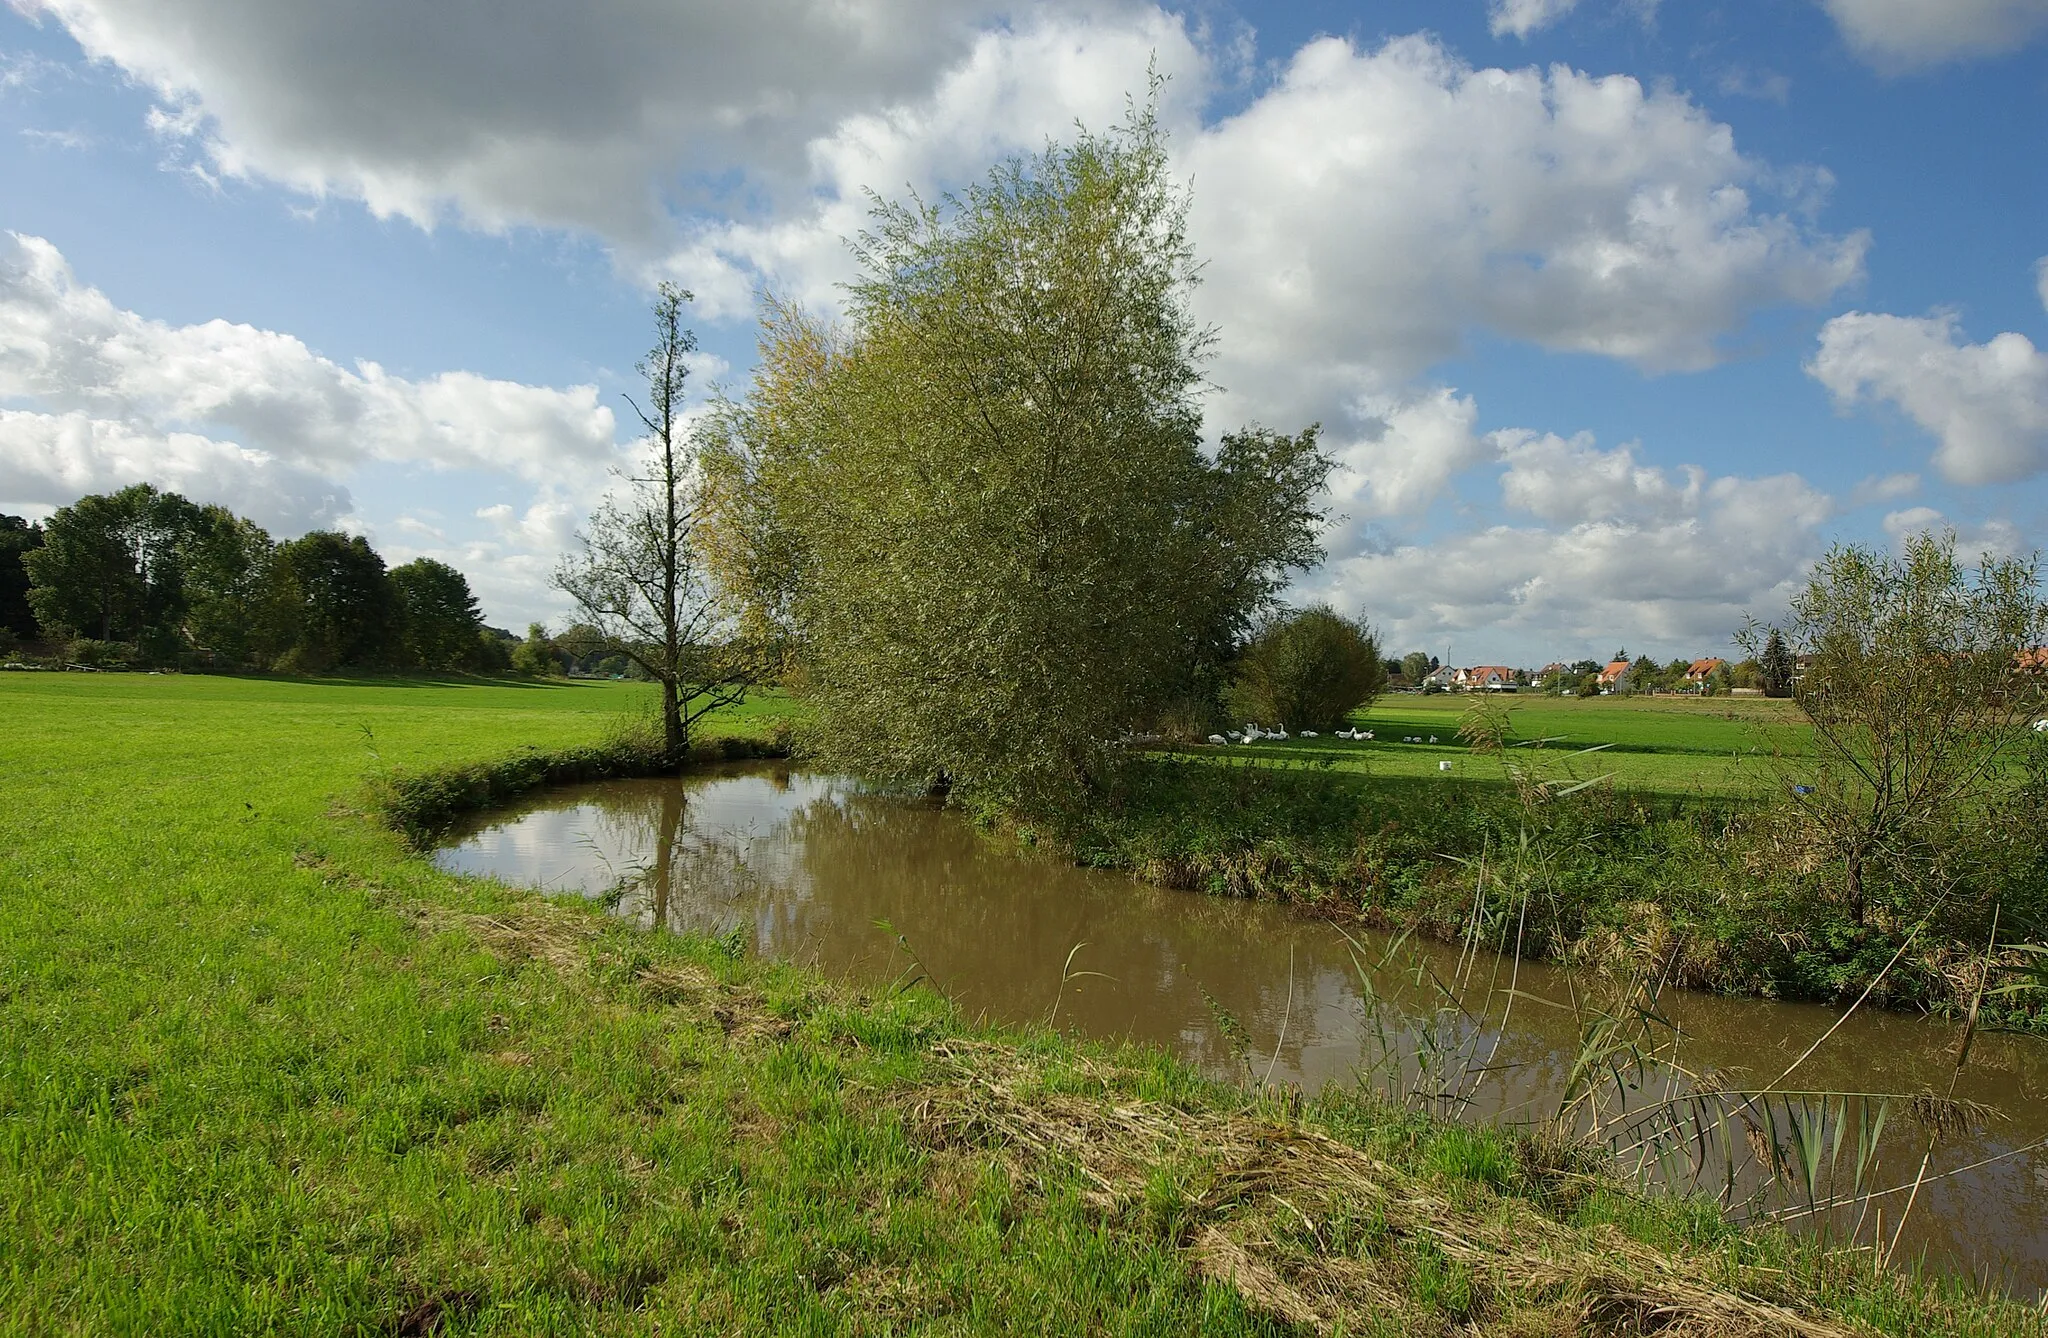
(1308, 669)
(100, 654)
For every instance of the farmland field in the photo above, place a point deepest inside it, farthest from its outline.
(1685, 745)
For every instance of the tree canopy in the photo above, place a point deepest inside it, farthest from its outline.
(17, 537)
(160, 576)
(1921, 698)
(1308, 670)
(980, 513)
(438, 623)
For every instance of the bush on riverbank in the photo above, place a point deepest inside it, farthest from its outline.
(1716, 894)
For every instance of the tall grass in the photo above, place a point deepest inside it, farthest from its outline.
(1778, 1151)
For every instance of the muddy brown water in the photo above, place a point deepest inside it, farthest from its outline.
(809, 868)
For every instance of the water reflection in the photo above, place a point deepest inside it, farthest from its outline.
(804, 866)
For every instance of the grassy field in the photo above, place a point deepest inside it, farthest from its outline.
(263, 1069)
(1679, 745)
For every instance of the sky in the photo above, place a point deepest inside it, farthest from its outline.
(1616, 314)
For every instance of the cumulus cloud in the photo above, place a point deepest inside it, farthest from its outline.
(1371, 205)
(51, 460)
(1361, 214)
(1624, 550)
(1898, 35)
(1374, 206)
(1015, 89)
(1887, 488)
(1519, 18)
(1405, 454)
(591, 116)
(1986, 404)
(1995, 537)
(68, 348)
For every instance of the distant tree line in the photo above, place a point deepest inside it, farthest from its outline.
(149, 577)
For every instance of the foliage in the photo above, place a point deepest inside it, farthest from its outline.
(1308, 669)
(537, 655)
(235, 608)
(1919, 705)
(338, 600)
(108, 567)
(438, 621)
(639, 582)
(17, 537)
(202, 587)
(1774, 665)
(981, 515)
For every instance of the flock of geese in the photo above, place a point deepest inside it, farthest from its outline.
(1253, 734)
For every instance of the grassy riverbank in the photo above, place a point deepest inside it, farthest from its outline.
(1666, 853)
(263, 1069)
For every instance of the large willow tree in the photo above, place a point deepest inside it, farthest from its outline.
(979, 513)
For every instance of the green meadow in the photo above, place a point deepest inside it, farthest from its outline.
(265, 1069)
(1680, 745)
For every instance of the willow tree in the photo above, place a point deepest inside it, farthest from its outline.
(638, 580)
(1921, 689)
(980, 511)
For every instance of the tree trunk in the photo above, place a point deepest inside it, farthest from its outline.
(1853, 866)
(673, 740)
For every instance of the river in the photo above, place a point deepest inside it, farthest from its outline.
(813, 869)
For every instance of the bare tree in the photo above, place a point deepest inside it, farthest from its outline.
(639, 582)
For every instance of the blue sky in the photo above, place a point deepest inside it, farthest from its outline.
(1615, 313)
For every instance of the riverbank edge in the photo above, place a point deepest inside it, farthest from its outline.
(1246, 1184)
(1679, 927)
(421, 803)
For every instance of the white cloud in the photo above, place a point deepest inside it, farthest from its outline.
(1374, 206)
(1669, 562)
(2041, 280)
(1763, 85)
(1898, 35)
(51, 460)
(1359, 216)
(66, 347)
(1014, 90)
(1889, 488)
(1519, 18)
(1996, 537)
(1405, 454)
(1367, 208)
(593, 116)
(1987, 404)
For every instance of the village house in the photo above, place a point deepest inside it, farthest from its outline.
(1700, 670)
(1611, 677)
(1487, 678)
